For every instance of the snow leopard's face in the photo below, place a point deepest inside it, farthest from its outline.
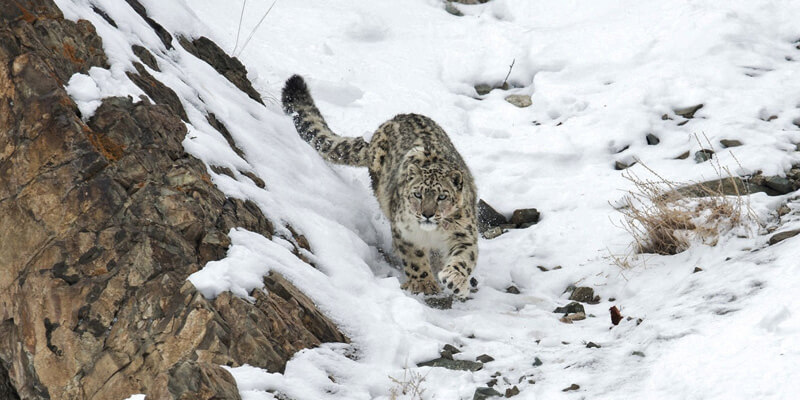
(433, 195)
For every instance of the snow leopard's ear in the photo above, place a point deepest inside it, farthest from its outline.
(457, 179)
(413, 171)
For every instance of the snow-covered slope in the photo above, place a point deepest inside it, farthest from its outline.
(602, 75)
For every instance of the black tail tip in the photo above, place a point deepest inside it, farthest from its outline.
(295, 89)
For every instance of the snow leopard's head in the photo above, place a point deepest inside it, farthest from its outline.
(433, 194)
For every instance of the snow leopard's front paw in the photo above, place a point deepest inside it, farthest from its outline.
(455, 280)
(424, 286)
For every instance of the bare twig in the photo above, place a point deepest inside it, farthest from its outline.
(510, 67)
(411, 385)
(239, 28)
(255, 28)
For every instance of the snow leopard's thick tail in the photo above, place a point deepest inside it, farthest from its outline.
(311, 126)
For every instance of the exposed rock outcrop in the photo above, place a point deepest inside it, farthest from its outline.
(102, 222)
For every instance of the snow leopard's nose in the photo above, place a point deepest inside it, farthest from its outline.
(428, 214)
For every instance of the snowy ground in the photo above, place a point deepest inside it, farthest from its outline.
(601, 75)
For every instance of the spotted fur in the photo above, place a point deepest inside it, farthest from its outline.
(422, 185)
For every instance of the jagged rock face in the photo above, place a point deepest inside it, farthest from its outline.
(102, 222)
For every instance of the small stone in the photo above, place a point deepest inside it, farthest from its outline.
(537, 362)
(450, 8)
(652, 140)
(491, 382)
(452, 349)
(779, 184)
(512, 289)
(619, 165)
(519, 100)
(688, 112)
(783, 210)
(556, 267)
(525, 216)
(592, 345)
(446, 354)
(493, 233)
(623, 148)
(483, 89)
(484, 358)
(456, 365)
(697, 269)
(583, 294)
(512, 391)
(703, 155)
(439, 302)
(730, 143)
(683, 155)
(571, 387)
(570, 308)
(779, 237)
(488, 217)
(484, 393)
(542, 268)
(570, 318)
(638, 354)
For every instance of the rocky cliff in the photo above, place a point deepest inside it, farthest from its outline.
(101, 222)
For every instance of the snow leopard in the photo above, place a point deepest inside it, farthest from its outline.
(422, 185)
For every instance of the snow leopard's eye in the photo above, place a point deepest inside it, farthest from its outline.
(442, 197)
(418, 195)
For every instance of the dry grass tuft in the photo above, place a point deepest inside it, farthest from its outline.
(409, 387)
(664, 220)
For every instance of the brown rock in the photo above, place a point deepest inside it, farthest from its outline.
(220, 127)
(162, 33)
(730, 143)
(731, 186)
(229, 67)
(688, 112)
(584, 294)
(512, 391)
(146, 57)
(571, 388)
(159, 92)
(492, 233)
(525, 217)
(102, 224)
(519, 100)
(781, 236)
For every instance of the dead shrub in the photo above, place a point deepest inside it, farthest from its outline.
(410, 386)
(664, 219)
